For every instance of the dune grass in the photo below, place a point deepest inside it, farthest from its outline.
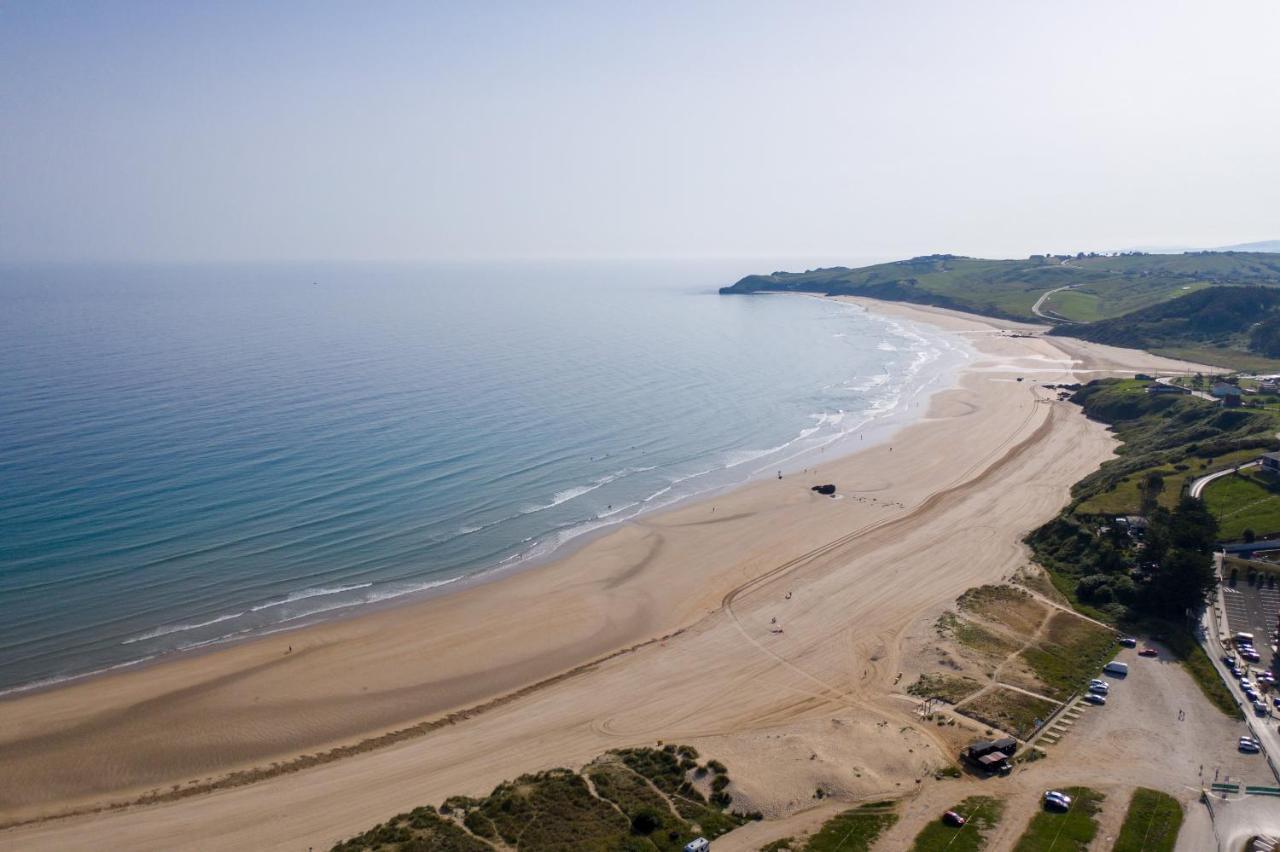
(1151, 823)
(983, 814)
(854, 830)
(637, 800)
(1073, 831)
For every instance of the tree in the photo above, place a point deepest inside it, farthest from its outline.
(1250, 535)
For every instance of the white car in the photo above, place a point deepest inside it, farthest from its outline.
(1050, 795)
(1099, 682)
(1099, 688)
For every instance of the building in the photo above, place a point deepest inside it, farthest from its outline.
(992, 755)
(1166, 389)
(1271, 462)
(1222, 390)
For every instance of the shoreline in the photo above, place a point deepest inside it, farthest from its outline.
(153, 726)
(880, 427)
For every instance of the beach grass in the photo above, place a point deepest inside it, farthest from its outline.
(1072, 651)
(950, 688)
(854, 830)
(1006, 605)
(1151, 823)
(982, 813)
(1072, 831)
(639, 800)
(1008, 710)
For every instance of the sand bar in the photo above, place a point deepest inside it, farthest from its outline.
(939, 508)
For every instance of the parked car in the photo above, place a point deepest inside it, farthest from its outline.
(1276, 702)
(1148, 652)
(1229, 660)
(953, 819)
(1251, 656)
(1098, 689)
(701, 844)
(1054, 800)
(1237, 672)
(1260, 707)
(1097, 681)
(1128, 641)
(1249, 745)
(1095, 698)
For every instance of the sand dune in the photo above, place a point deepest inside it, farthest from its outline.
(939, 508)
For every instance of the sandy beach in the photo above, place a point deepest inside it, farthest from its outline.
(660, 630)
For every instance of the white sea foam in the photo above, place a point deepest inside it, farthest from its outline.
(180, 628)
(309, 593)
(568, 494)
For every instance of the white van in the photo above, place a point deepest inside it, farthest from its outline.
(699, 845)
(1115, 667)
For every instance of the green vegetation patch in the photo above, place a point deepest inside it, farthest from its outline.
(421, 828)
(1151, 824)
(854, 830)
(950, 688)
(1052, 831)
(1073, 651)
(1008, 710)
(1244, 501)
(1007, 605)
(974, 636)
(639, 800)
(982, 814)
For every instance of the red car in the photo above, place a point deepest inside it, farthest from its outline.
(954, 819)
(1148, 652)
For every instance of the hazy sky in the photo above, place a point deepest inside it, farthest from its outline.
(193, 131)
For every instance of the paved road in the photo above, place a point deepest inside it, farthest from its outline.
(1197, 485)
(1035, 309)
(1168, 380)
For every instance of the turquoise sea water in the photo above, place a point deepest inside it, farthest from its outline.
(190, 455)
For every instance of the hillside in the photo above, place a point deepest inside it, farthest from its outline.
(1235, 327)
(1088, 287)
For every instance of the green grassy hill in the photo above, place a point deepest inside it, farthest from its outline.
(1236, 327)
(1100, 287)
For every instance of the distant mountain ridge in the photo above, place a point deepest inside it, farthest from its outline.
(1263, 246)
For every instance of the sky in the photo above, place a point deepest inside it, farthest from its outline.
(160, 131)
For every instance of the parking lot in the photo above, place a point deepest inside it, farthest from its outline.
(1253, 607)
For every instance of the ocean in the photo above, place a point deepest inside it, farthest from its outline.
(191, 455)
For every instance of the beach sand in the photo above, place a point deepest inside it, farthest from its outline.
(660, 630)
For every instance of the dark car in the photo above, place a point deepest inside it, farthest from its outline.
(954, 819)
(1148, 652)
(1128, 641)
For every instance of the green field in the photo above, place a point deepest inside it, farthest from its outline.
(851, 831)
(983, 814)
(1077, 305)
(1050, 831)
(1151, 824)
(1242, 502)
(1125, 497)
